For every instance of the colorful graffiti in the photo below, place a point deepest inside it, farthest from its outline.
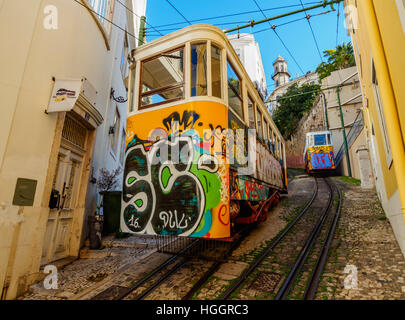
(174, 184)
(321, 158)
(245, 188)
(268, 168)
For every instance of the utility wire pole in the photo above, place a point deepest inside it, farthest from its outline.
(253, 23)
(141, 38)
(344, 133)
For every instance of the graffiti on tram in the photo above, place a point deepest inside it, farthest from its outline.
(174, 183)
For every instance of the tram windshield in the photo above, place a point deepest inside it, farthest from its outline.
(163, 78)
(320, 140)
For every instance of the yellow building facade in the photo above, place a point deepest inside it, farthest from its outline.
(49, 155)
(377, 29)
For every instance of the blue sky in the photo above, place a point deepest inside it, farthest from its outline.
(296, 35)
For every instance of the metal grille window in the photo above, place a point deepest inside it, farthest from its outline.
(74, 132)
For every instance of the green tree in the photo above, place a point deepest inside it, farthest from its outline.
(340, 58)
(292, 105)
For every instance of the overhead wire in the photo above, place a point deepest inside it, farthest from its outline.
(233, 14)
(312, 91)
(312, 31)
(130, 10)
(178, 12)
(337, 24)
(216, 24)
(278, 36)
(112, 23)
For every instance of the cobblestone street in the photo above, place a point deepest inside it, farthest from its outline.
(94, 268)
(364, 243)
(364, 240)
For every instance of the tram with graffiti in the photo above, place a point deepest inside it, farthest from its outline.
(202, 153)
(318, 153)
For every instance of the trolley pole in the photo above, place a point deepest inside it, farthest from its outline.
(344, 133)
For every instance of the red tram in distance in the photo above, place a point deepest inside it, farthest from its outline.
(188, 94)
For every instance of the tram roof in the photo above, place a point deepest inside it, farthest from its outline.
(194, 33)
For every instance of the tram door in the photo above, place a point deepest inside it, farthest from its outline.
(66, 182)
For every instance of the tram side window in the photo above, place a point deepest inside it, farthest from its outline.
(265, 130)
(259, 124)
(281, 151)
(216, 78)
(271, 139)
(320, 140)
(234, 90)
(251, 111)
(199, 69)
(162, 78)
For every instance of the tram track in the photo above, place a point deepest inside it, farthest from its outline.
(150, 283)
(287, 285)
(161, 274)
(155, 272)
(254, 265)
(324, 220)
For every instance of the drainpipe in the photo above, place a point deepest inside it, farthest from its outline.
(349, 169)
(388, 98)
(325, 111)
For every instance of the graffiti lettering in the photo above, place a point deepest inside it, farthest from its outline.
(171, 219)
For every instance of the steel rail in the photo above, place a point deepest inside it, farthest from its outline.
(254, 265)
(155, 271)
(182, 263)
(312, 286)
(297, 267)
(214, 267)
(156, 284)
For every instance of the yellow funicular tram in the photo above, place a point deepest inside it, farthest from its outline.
(318, 152)
(183, 175)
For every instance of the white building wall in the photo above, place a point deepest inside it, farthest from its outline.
(105, 156)
(248, 51)
(31, 56)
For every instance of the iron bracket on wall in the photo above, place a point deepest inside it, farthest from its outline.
(117, 99)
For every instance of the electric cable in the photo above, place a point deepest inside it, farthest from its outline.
(130, 10)
(178, 12)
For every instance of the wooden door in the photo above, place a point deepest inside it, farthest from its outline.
(67, 180)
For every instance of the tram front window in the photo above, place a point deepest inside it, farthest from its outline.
(320, 140)
(216, 71)
(198, 69)
(162, 78)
